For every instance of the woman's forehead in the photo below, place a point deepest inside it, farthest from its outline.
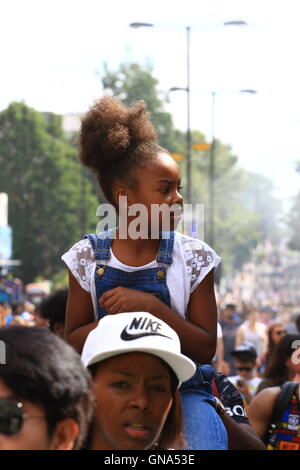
(134, 362)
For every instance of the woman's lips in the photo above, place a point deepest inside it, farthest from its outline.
(137, 431)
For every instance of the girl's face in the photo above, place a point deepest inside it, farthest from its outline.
(133, 399)
(159, 183)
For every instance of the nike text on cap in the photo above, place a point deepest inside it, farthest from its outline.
(136, 331)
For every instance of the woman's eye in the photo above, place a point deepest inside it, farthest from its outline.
(158, 388)
(164, 190)
(120, 384)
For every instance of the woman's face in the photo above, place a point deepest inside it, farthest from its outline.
(33, 434)
(277, 333)
(253, 316)
(159, 184)
(133, 399)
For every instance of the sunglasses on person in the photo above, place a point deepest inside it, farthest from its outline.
(12, 416)
(245, 369)
(280, 332)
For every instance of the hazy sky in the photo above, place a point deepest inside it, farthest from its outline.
(51, 52)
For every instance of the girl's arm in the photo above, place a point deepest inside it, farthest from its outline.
(241, 436)
(79, 315)
(197, 334)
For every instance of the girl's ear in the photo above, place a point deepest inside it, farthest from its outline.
(122, 195)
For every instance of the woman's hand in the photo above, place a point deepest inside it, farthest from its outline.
(122, 299)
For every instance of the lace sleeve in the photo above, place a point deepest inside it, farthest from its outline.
(80, 261)
(200, 259)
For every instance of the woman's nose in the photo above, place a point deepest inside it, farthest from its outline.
(141, 401)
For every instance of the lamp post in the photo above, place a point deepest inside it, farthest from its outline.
(211, 172)
(137, 25)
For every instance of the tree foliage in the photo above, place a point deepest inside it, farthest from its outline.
(130, 83)
(42, 177)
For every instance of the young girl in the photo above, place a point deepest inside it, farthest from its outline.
(172, 278)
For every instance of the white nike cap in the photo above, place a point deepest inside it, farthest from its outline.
(136, 331)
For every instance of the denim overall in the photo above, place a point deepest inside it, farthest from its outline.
(204, 429)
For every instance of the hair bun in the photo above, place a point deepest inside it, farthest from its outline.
(109, 130)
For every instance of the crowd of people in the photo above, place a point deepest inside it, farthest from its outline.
(111, 367)
(132, 356)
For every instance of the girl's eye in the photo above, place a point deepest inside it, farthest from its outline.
(164, 190)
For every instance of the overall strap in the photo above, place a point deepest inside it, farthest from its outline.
(165, 252)
(101, 244)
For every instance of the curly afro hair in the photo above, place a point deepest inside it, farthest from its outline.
(115, 140)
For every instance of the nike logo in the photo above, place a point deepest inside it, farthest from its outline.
(125, 336)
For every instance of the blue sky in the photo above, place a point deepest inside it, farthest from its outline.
(52, 50)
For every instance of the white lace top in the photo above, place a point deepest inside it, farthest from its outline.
(193, 259)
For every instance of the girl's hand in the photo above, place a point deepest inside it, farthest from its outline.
(122, 299)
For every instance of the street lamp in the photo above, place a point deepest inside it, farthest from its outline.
(137, 25)
(211, 177)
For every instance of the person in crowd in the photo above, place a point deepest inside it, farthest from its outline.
(246, 382)
(241, 435)
(281, 367)
(287, 429)
(53, 310)
(170, 275)
(45, 392)
(137, 367)
(291, 326)
(218, 361)
(229, 327)
(274, 334)
(253, 331)
(5, 311)
(19, 316)
(266, 315)
(297, 322)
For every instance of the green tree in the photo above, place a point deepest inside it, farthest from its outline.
(47, 193)
(132, 82)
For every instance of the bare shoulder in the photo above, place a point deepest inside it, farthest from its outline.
(264, 401)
